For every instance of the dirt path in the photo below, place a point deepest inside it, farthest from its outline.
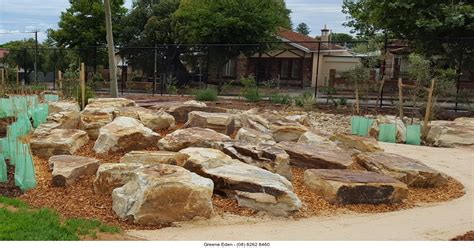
(441, 221)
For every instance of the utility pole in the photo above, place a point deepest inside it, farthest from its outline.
(111, 50)
(36, 56)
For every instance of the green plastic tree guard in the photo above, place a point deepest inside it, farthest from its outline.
(413, 135)
(387, 133)
(355, 122)
(3, 170)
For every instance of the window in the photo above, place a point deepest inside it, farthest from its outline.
(290, 69)
(228, 70)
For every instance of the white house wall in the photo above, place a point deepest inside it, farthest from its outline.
(326, 63)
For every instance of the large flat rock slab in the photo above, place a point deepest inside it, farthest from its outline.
(125, 134)
(164, 194)
(153, 157)
(254, 136)
(363, 144)
(67, 168)
(57, 142)
(355, 187)
(317, 156)
(193, 136)
(287, 130)
(219, 122)
(113, 175)
(253, 187)
(410, 171)
(266, 156)
(180, 111)
(459, 132)
(65, 119)
(63, 106)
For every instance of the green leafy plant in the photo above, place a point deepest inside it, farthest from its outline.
(206, 95)
(306, 100)
(171, 83)
(250, 90)
(281, 98)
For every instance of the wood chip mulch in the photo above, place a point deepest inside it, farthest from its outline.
(469, 236)
(79, 199)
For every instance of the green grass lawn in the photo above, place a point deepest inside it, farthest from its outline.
(20, 222)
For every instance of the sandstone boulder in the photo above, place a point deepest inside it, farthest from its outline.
(67, 169)
(125, 134)
(113, 175)
(251, 186)
(111, 102)
(314, 138)
(219, 122)
(410, 171)
(287, 130)
(317, 156)
(265, 156)
(66, 120)
(355, 187)
(363, 144)
(180, 111)
(57, 142)
(163, 194)
(93, 118)
(459, 132)
(153, 157)
(155, 120)
(253, 136)
(61, 106)
(194, 136)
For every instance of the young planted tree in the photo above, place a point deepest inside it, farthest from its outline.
(359, 77)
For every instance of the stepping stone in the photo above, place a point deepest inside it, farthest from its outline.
(153, 157)
(57, 142)
(265, 156)
(219, 122)
(253, 136)
(163, 194)
(410, 171)
(363, 144)
(125, 134)
(113, 175)
(251, 186)
(67, 168)
(193, 136)
(355, 187)
(317, 156)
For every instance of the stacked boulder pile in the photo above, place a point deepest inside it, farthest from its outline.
(243, 155)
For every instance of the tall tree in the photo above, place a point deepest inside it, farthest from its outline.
(430, 26)
(342, 37)
(303, 28)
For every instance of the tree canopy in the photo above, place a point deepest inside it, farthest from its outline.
(303, 28)
(426, 24)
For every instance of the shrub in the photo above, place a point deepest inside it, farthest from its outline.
(205, 95)
(252, 95)
(281, 98)
(306, 100)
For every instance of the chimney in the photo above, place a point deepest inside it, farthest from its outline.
(325, 34)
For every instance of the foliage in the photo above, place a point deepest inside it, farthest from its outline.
(170, 85)
(303, 28)
(342, 37)
(206, 95)
(423, 23)
(281, 99)
(250, 90)
(83, 23)
(25, 223)
(306, 100)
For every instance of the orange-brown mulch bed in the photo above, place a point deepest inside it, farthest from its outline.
(469, 236)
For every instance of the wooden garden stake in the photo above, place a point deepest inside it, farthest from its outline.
(83, 85)
(60, 79)
(357, 100)
(400, 97)
(17, 77)
(428, 109)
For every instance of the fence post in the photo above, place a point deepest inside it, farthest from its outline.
(400, 98)
(82, 78)
(17, 77)
(123, 62)
(2, 76)
(154, 70)
(257, 73)
(428, 109)
(459, 77)
(317, 74)
(54, 69)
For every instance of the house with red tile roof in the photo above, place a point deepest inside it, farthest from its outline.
(299, 61)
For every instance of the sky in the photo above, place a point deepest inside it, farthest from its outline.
(17, 16)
